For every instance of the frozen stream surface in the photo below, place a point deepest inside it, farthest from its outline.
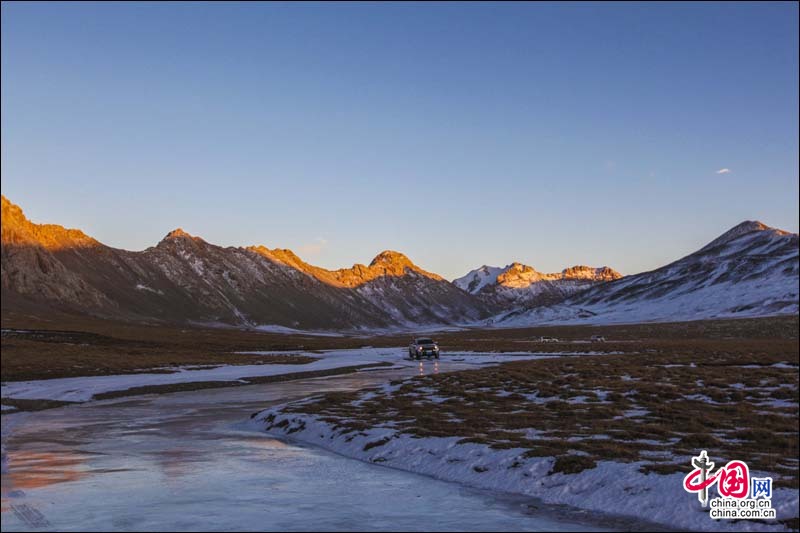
(186, 461)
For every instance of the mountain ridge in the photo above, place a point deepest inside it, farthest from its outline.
(185, 278)
(520, 284)
(749, 270)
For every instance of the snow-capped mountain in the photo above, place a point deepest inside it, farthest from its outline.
(521, 285)
(184, 278)
(477, 279)
(750, 270)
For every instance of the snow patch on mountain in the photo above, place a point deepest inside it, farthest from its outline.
(477, 279)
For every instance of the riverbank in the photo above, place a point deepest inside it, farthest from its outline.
(613, 434)
(188, 462)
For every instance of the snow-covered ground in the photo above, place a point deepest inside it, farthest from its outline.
(270, 328)
(81, 389)
(718, 302)
(611, 487)
(678, 309)
(274, 328)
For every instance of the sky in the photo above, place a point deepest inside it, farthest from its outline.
(460, 134)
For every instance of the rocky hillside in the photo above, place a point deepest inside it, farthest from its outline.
(185, 278)
(521, 285)
(750, 270)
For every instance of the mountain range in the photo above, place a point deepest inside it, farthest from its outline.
(184, 278)
(750, 270)
(521, 285)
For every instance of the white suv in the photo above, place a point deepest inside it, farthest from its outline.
(423, 346)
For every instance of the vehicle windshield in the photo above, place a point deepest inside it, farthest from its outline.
(424, 341)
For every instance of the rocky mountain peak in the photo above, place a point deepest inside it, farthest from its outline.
(743, 228)
(520, 267)
(518, 275)
(583, 272)
(11, 212)
(518, 284)
(179, 237)
(387, 263)
(178, 233)
(287, 255)
(390, 258)
(17, 229)
(751, 225)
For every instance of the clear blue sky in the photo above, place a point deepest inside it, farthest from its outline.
(459, 134)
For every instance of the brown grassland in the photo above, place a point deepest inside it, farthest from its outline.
(660, 402)
(78, 346)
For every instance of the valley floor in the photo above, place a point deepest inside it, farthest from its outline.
(607, 427)
(613, 433)
(36, 348)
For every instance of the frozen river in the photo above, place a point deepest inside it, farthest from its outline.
(188, 461)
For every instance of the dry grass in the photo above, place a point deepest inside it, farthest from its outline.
(44, 354)
(87, 347)
(79, 346)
